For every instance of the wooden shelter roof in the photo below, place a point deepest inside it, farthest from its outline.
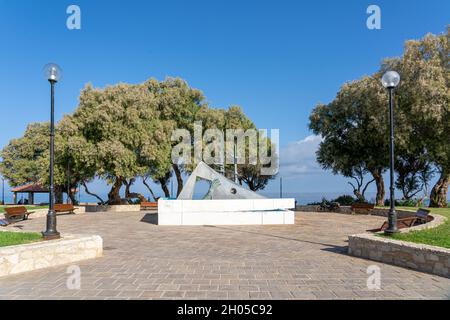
(31, 187)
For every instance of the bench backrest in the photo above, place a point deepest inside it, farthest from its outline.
(358, 205)
(422, 213)
(64, 207)
(149, 204)
(16, 210)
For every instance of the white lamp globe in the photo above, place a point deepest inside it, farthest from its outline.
(52, 72)
(390, 79)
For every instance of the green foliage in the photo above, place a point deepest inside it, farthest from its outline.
(24, 158)
(414, 172)
(316, 203)
(355, 130)
(424, 105)
(8, 238)
(345, 200)
(438, 236)
(118, 133)
(402, 203)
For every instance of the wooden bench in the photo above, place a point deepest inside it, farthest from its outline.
(421, 216)
(13, 213)
(64, 208)
(145, 205)
(362, 207)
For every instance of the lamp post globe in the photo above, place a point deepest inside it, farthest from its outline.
(53, 74)
(390, 81)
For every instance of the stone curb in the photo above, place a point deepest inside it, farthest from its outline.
(421, 257)
(44, 254)
(437, 221)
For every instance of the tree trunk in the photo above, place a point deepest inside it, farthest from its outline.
(438, 196)
(144, 181)
(128, 185)
(114, 193)
(379, 181)
(250, 184)
(72, 195)
(163, 183)
(132, 195)
(59, 194)
(92, 194)
(179, 178)
(359, 196)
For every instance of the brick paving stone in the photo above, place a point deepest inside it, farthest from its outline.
(303, 295)
(108, 293)
(280, 294)
(323, 294)
(148, 287)
(189, 287)
(173, 294)
(307, 260)
(345, 294)
(130, 293)
(259, 295)
(164, 287)
(151, 294)
(248, 288)
(228, 287)
(238, 295)
(216, 294)
(195, 294)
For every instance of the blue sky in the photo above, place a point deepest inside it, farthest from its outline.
(276, 59)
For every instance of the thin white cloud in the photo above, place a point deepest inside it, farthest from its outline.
(299, 157)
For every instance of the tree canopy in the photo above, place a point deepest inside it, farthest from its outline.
(354, 126)
(119, 133)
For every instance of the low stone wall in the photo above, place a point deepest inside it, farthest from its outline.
(38, 213)
(114, 208)
(307, 208)
(382, 212)
(44, 254)
(416, 256)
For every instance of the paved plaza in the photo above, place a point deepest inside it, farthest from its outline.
(142, 260)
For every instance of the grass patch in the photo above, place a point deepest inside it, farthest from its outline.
(12, 238)
(439, 236)
(29, 208)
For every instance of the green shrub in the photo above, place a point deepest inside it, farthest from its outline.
(318, 203)
(345, 200)
(402, 203)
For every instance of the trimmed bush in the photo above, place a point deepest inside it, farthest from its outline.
(345, 200)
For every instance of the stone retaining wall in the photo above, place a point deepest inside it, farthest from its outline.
(44, 254)
(38, 213)
(307, 208)
(382, 212)
(416, 256)
(114, 208)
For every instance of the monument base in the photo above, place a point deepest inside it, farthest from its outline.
(226, 212)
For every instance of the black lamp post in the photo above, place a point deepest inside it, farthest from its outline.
(53, 74)
(390, 80)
